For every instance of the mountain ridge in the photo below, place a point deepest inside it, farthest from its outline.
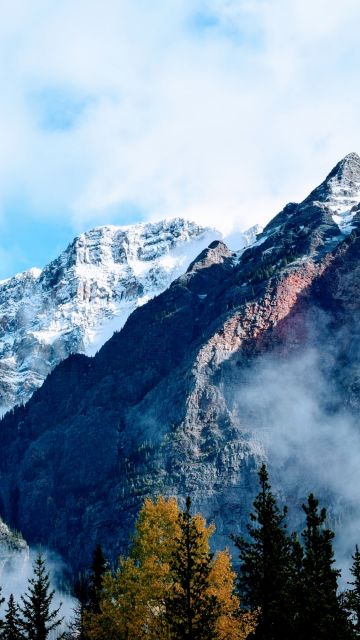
(159, 409)
(77, 301)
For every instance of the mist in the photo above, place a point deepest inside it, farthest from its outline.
(293, 407)
(18, 569)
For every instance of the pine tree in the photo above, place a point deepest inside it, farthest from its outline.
(11, 629)
(77, 623)
(38, 620)
(321, 616)
(351, 597)
(98, 570)
(265, 565)
(191, 610)
(2, 600)
(295, 588)
(134, 600)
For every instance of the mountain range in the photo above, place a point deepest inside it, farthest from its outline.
(185, 399)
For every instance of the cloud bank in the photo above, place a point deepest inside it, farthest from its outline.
(219, 110)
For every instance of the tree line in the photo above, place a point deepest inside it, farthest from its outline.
(171, 587)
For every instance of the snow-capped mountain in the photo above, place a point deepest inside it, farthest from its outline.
(76, 302)
(340, 192)
(242, 357)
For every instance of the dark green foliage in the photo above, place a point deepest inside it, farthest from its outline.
(351, 597)
(267, 267)
(98, 570)
(265, 565)
(38, 619)
(191, 611)
(76, 625)
(11, 627)
(77, 622)
(292, 584)
(295, 588)
(2, 600)
(320, 615)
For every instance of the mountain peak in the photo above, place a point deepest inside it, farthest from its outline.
(215, 253)
(347, 170)
(339, 193)
(341, 188)
(350, 158)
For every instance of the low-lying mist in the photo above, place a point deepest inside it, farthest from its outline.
(295, 405)
(15, 574)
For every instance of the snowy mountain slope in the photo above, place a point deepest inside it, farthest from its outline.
(77, 302)
(173, 404)
(340, 192)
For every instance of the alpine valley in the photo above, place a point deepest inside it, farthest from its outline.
(177, 401)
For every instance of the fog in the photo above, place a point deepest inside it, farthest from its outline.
(17, 571)
(292, 406)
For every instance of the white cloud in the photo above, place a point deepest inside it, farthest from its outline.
(220, 110)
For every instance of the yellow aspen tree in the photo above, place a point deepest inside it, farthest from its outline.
(232, 624)
(133, 600)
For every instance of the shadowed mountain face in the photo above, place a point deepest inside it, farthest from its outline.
(169, 405)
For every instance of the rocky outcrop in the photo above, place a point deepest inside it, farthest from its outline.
(14, 551)
(164, 406)
(77, 301)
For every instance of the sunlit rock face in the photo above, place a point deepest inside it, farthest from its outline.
(168, 406)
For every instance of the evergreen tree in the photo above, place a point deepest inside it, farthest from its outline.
(351, 597)
(38, 620)
(2, 600)
(134, 599)
(98, 570)
(11, 629)
(264, 578)
(191, 610)
(77, 623)
(295, 588)
(320, 616)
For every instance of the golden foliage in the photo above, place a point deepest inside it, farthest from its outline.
(232, 624)
(133, 599)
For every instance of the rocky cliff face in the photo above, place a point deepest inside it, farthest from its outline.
(13, 550)
(168, 405)
(76, 302)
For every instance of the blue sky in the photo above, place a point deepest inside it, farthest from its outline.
(116, 111)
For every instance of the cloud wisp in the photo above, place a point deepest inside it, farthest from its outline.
(14, 579)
